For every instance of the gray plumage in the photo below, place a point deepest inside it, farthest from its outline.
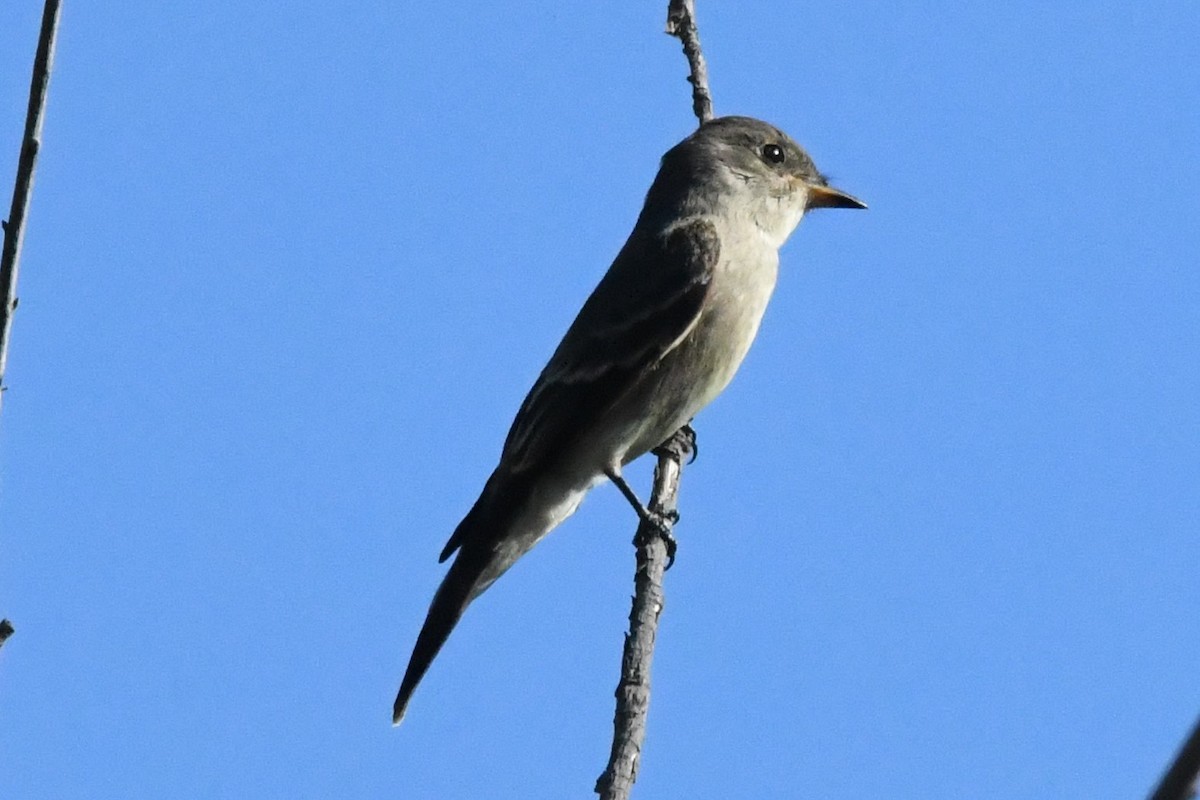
(659, 338)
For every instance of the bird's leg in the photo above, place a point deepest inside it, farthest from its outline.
(641, 510)
(660, 521)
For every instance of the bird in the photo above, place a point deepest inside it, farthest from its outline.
(661, 335)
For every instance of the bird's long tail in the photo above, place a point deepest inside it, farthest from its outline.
(475, 567)
(458, 589)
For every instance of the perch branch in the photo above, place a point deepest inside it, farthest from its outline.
(681, 23)
(633, 690)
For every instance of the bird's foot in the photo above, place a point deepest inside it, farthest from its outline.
(655, 521)
(680, 445)
(659, 523)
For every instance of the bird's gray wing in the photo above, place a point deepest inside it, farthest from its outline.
(645, 305)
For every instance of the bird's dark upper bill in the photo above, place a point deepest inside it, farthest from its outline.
(829, 197)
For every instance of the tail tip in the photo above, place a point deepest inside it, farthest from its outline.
(398, 713)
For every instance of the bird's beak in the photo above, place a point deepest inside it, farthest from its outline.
(828, 197)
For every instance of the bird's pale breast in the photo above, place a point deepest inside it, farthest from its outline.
(690, 376)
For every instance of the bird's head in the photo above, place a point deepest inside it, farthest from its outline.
(752, 168)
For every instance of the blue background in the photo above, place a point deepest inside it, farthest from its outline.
(290, 270)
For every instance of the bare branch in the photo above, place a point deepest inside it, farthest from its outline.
(1179, 783)
(681, 23)
(633, 691)
(653, 556)
(14, 228)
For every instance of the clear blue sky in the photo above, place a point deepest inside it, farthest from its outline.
(290, 271)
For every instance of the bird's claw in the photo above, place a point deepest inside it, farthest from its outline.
(680, 445)
(693, 445)
(672, 546)
(659, 523)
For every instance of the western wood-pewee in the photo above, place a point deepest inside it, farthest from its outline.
(659, 338)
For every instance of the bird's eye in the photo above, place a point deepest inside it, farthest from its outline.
(773, 153)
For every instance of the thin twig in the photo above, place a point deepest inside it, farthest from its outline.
(633, 691)
(1179, 783)
(14, 228)
(681, 23)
